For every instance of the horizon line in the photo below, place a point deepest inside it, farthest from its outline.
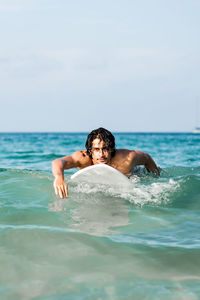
(90, 131)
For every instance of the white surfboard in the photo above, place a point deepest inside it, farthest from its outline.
(101, 174)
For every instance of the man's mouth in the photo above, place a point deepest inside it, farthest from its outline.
(102, 159)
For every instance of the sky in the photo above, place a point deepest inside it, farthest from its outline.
(131, 65)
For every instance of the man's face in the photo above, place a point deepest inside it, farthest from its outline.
(101, 154)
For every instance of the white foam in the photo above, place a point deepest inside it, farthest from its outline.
(156, 192)
(140, 193)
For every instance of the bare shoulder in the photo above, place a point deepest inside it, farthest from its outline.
(123, 156)
(128, 153)
(124, 160)
(123, 153)
(131, 156)
(81, 158)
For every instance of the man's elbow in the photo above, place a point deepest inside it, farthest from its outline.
(56, 163)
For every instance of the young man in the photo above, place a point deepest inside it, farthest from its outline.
(100, 149)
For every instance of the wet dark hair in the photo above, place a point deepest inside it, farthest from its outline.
(104, 135)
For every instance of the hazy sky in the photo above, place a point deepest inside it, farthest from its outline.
(131, 65)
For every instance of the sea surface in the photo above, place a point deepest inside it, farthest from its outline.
(99, 243)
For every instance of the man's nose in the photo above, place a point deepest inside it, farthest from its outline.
(101, 151)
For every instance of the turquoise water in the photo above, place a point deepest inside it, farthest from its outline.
(99, 243)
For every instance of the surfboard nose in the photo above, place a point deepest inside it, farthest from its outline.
(101, 174)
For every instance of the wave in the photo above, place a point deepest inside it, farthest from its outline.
(177, 186)
(14, 173)
(159, 207)
(35, 227)
(33, 155)
(175, 171)
(156, 240)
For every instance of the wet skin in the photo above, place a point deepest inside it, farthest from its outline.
(124, 161)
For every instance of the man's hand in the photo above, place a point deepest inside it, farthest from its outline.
(151, 166)
(153, 169)
(60, 187)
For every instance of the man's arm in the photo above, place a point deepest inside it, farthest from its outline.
(58, 167)
(142, 158)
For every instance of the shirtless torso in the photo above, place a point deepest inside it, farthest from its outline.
(123, 160)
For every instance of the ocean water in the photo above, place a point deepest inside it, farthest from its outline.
(99, 243)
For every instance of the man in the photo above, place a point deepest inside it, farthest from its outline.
(100, 149)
